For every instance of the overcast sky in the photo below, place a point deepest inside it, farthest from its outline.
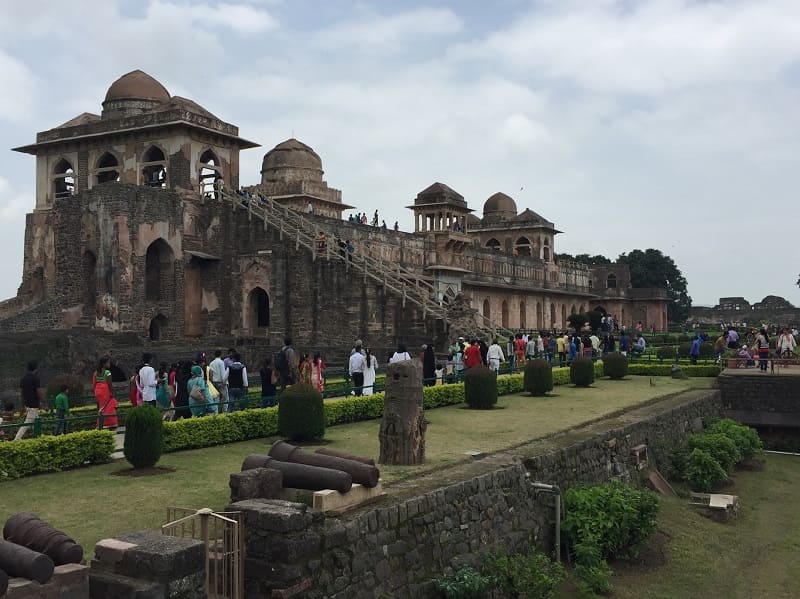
(630, 124)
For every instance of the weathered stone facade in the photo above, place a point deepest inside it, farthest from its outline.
(452, 517)
(130, 234)
(772, 309)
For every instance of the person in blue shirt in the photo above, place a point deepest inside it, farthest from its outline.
(694, 352)
(624, 344)
(573, 349)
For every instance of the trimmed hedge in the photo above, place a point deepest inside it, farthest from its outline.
(615, 366)
(653, 369)
(53, 454)
(538, 377)
(582, 372)
(301, 413)
(144, 437)
(480, 388)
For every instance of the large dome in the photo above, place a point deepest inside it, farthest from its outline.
(500, 206)
(137, 85)
(291, 160)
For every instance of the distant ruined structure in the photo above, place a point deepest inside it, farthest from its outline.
(136, 229)
(772, 309)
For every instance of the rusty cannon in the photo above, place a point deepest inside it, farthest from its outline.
(345, 455)
(22, 562)
(28, 530)
(362, 473)
(302, 476)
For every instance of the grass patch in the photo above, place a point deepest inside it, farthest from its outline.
(90, 504)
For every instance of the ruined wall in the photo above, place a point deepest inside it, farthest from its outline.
(761, 399)
(394, 550)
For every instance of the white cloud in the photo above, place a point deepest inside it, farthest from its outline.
(19, 84)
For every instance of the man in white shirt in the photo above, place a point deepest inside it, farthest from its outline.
(218, 373)
(356, 369)
(147, 380)
(494, 356)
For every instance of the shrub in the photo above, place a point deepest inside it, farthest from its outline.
(684, 350)
(590, 567)
(745, 438)
(595, 318)
(53, 454)
(533, 575)
(665, 352)
(653, 369)
(144, 437)
(538, 377)
(576, 321)
(615, 365)
(683, 338)
(614, 516)
(703, 471)
(301, 413)
(75, 391)
(706, 350)
(721, 448)
(464, 583)
(581, 372)
(480, 388)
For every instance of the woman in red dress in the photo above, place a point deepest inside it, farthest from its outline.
(103, 393)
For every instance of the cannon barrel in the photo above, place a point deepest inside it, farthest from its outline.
(302, 476)
(28, 530)
(22, 562)
(345, 455)
(362, 474)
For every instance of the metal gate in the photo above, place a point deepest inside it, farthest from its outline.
(223, 535)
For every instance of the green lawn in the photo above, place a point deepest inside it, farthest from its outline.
(91, 503)
(752, 557)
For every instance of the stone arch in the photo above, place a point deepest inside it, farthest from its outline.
(89, 268)
(154, 167)
(546, 250)
(107, 168)
(63, 179)
(159, 271)
(564, 315)
(611, 281)
(157, 328)
(504, 314)
(117, 373)
(257, 309)
(582, 309)
(209, 174)
(539, 316)
(522, 318)
(487, 309)
(523, 246)
(552, 315)
(493, 244)
(572, 309)
(600, 309)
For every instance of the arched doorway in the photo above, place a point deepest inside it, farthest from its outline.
(523, 246)
(107, 169)
(539, 316)
(600, 309)
(522, 320)
(493, 244)
(154, 168)
(487, 310)
(159, 271)
(257, 309)
(63, 179)
(552, 315)
(158, 327)
(210, 174)
(563, 315)
(504, 314)
(89, 267)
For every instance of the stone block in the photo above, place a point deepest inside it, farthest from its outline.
(103, 585)
(273, 515)
(157, 557)
(258, 483)
(111, 551)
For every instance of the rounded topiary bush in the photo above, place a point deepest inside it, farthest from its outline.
(75, 390)
(538, 378)
(666, 352)
(703, 470)
(684, 338)
(144, 436)
(615, 365)
(480, 388)
(684, 349)
(301, 413)
(581, 372)
(706, 350)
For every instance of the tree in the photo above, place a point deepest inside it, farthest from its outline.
(596, 260)
(576, 321)
(651, 268)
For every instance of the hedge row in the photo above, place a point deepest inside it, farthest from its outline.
(53, 454)
(654, 369)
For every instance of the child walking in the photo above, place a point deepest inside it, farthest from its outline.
(62, 410)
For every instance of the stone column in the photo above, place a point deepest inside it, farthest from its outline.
(402, 433)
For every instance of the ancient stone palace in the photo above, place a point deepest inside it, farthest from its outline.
(140, 225)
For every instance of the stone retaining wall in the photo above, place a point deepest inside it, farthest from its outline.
(395, 549)
(761, 399)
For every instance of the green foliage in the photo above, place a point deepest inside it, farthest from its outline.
(464, 583)
(576, 321)
(531, 575)
(53, 454)
(75, 392)
(684, 348)
(595, 260)
(666, 352)
(581, 372)
(221, 429)
(595, 318)
(703, 471)
(721, 448)
(684, 338)
(590, 567)
(651, 268)
(745, 438)
(538, 378)
(480, 388)
(615, 365)
(614, 516)
(301, 413)
(655, 369)
(706, 350)
(144, 437)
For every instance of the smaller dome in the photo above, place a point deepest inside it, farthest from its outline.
(137, 85)
(500, 203)
(291, 160)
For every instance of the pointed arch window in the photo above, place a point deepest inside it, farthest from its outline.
(210, 175)
(107, 169)
(493, 244)
(63, 179)
(154, 168)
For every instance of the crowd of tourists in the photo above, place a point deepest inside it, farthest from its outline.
(360, 218)
(756, 344)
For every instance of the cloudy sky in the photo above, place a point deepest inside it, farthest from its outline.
(630, 124)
